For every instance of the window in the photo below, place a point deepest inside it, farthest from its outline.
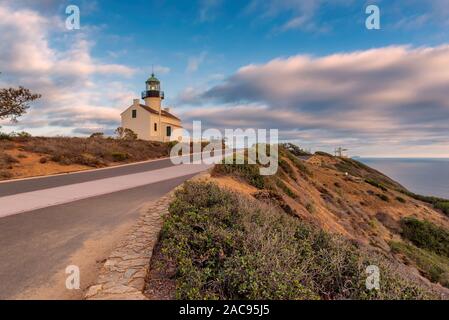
(134, 113)
(155, 127)
(168, 131)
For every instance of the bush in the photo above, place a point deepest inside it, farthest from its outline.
(376, 184)
(401, 200)
(294, 149)
(97, 135)
(5, 136)
(324, 154)
(310, 207)
(119, 156)
(248, 172)
(281, 185)
(438, 203)
(431, 265)
(426, 235)
(228, 247)
(7, 159)
(4, 174)
(125, 134)
(383, 197)
(287, 168)
(299, 164)
(94, 152)
(443, 206)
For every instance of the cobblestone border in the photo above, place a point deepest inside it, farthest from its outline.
(122, 276)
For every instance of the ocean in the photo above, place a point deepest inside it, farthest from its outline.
(423, 176)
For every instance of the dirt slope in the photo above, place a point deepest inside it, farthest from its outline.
(345, 197)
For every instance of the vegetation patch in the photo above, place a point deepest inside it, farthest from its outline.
(443, 206)
(431, 265)
(370, 175)
(426, 235)
(248, 172)
(224, 246)
(376, 184)
(437, 203)
(92, 152)
(294, 149)
(287, 168)
(383, 197)
(401, 200)
(281, 185)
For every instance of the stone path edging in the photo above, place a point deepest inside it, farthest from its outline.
(122, 276)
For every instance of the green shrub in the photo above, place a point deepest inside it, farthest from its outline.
(324, 154)
(294, 149)
(431, 265)
(426, 235)
(376, 184)
(281, 185)
(224, 246)
(310, 207)
(248, 172)
(5, 136)
(401, 200)
(97, 135)
(438, 203)
(383, 197)
(443, 206)
(119, 156)
(287, 168)
(299, 164)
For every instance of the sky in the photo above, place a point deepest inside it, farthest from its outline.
(309, 68)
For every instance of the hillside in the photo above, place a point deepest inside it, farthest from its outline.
(25, 156)
(365, 213)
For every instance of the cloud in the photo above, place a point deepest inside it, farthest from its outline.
(391, 96)
(161, 69)
(78, 90)
(194, 62)
(207, 9)
(311, 15)
(298, 14)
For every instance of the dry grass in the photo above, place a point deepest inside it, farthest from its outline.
(33, 156)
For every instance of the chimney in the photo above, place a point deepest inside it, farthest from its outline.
(136, 102)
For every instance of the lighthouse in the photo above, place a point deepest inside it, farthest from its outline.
(150, 121)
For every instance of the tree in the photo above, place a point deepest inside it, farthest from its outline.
(125, 134)
(14, 102)
(97, 135)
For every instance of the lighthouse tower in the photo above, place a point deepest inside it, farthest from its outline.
(150, 121)
(153, 95)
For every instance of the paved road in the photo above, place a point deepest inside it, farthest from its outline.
(27, 185)
(36, 246)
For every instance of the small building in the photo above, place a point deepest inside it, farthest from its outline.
(150, 121)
